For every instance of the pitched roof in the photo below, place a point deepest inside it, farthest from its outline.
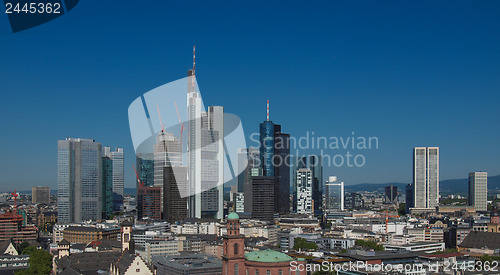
(481, 240)
(4, 245)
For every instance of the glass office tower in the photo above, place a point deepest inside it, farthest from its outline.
(334, 195)
(79, 180)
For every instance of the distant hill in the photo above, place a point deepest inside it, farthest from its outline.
(454, 186)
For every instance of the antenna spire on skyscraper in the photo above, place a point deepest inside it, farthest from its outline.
(268, 110)
(194, 57)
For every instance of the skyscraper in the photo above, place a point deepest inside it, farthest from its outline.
(391, 194)
(253, 170)
(274, 157)
(145, 168)
(426, 177)
(167, 153)
(107, 187)
(304, 191)
(334, 195)
(478, 190)
(263, 203)
(409, 197)
(117, 160)
(148, 202)
(316, 166)
(79, 179)
(205, 154)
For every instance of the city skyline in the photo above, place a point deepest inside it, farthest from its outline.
(365, 84)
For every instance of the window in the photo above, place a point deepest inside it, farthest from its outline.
(268, 272)
(281, 272)
(256, 272)
(235, 249)
(235, 269)
(138, 270)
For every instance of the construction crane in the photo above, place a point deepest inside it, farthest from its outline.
(15, 198)
(387, 220)
(141, 184)
(159, 115)
(180, 122)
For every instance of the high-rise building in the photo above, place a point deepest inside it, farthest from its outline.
(334, 195)
(175, 185)
(148, 202)
(478, 190)
(409, 197)
(299, 162)
(11, 227)
(205, 155)
(316, 166)
(263, 197)
(79, 179)
(145, 168)
(40, 194)
(253, 170)
(282, 170)
(304, 191)
(426, 177)
(391, 194)
(275, 161)
(107, 187)
(117, 160)
(167, 153)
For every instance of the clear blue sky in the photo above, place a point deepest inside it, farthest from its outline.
(411, 73)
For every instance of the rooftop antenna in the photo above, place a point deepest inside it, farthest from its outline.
(268, 110)
(194, 57)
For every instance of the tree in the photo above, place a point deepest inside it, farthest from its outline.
(40, 262)
(402, 209)
(370, 244)
(22, 246)
(301, 243)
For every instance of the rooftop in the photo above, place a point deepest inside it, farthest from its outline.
(267, 256)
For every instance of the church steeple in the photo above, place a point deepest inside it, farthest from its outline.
(233, 259)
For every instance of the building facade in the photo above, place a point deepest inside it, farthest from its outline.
(117, 176)
(263, 189)
(148, 202)
(334, 195)
(304, 191)
(426, 177)
(40, 194)
(478, 190)
(79, 179)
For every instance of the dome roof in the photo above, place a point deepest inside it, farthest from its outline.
(267, 256)
(233, 216)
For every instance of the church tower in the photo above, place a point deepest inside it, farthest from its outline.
(126, 236)
(233, 259)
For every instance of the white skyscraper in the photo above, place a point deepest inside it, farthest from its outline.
(304, 191)
(426, 177)
(205, 138)
(334, 194)
(118, 175)
(478, 190)
(79, 179)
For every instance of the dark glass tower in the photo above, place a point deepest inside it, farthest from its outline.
(145, 166)
(267, 147)
(107, 187)
(316, 166)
